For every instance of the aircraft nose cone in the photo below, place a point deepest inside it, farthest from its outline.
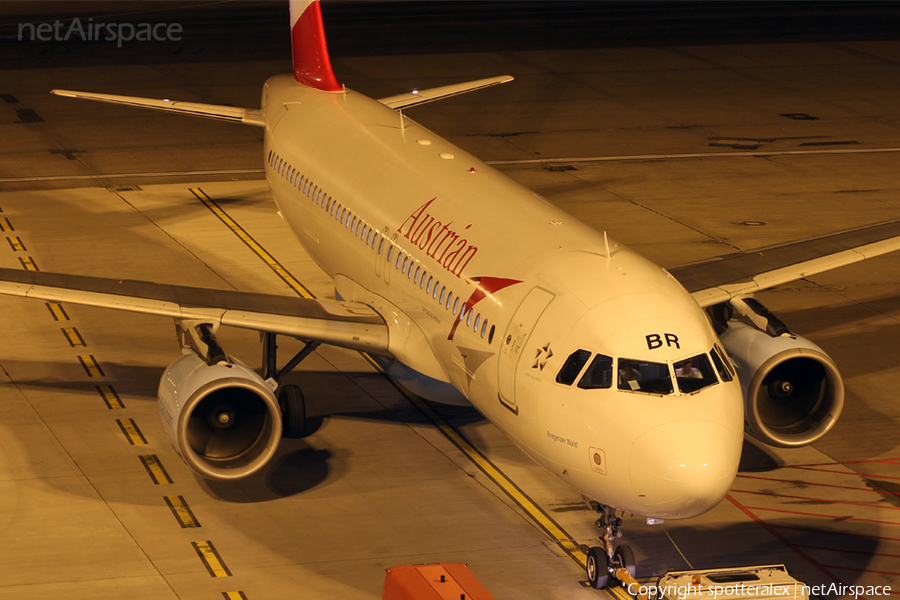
(683, 469)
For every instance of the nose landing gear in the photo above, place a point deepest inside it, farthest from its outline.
(605, 561)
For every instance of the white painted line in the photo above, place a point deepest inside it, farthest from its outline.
(126, 175)
(756, 153)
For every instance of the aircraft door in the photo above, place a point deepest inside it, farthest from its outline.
(514, 340)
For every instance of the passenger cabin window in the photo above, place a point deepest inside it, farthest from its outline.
(572, 367)
(598, 375)
(646, 377)
(694, 374)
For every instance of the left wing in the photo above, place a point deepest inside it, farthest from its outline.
(741, 273)
(346, 324)
(439, 93)
(247, 116)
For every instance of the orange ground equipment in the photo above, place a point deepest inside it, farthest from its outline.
(443, 581)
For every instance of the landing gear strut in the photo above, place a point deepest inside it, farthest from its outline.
(603, 561)
(293, 405)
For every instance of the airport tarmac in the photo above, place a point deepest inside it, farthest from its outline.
(682, 152)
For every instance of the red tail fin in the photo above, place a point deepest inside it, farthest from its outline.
(312, 66)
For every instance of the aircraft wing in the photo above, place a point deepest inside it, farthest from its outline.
(346, 324)
(253, 116)
(720, 279)
(439, 93)
(247, 116)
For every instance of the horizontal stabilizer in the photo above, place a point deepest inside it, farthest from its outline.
(439, 93)
(347, 324)
(248, 116)
(720, 279)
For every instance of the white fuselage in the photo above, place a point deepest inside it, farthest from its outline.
(488, 290)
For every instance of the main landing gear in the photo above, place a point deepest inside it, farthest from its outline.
(605, 560)
(295, 423)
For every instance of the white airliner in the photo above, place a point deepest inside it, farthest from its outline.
(632, 383)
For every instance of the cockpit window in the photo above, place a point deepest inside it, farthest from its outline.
(647, 377)
(598, 375)
(572, 367)
(694, 374)
(724, 371)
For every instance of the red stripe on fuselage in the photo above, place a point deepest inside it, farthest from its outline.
(486, 287)
(312, 66)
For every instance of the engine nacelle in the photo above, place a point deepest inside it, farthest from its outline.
(222, 419)
(793, 393)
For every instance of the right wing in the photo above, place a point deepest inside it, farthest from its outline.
(347, 324)
(439, 93)
(247, 116)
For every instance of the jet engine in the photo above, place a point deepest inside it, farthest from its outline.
(793, 393)
(221, 416)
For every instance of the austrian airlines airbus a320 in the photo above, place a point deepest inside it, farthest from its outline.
(631, 383)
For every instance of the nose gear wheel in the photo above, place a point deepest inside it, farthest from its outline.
(604, 560)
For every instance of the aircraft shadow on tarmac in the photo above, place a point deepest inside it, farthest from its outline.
(299, 466)
(755, 457)
(296, 468)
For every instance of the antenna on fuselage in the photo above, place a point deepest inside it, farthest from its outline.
(402, 125)
(606, 243)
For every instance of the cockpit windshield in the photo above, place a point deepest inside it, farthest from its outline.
(691, 374)
(722, 365)
(598, 375)
(694, 374)
(572, 367)
(647, 377)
